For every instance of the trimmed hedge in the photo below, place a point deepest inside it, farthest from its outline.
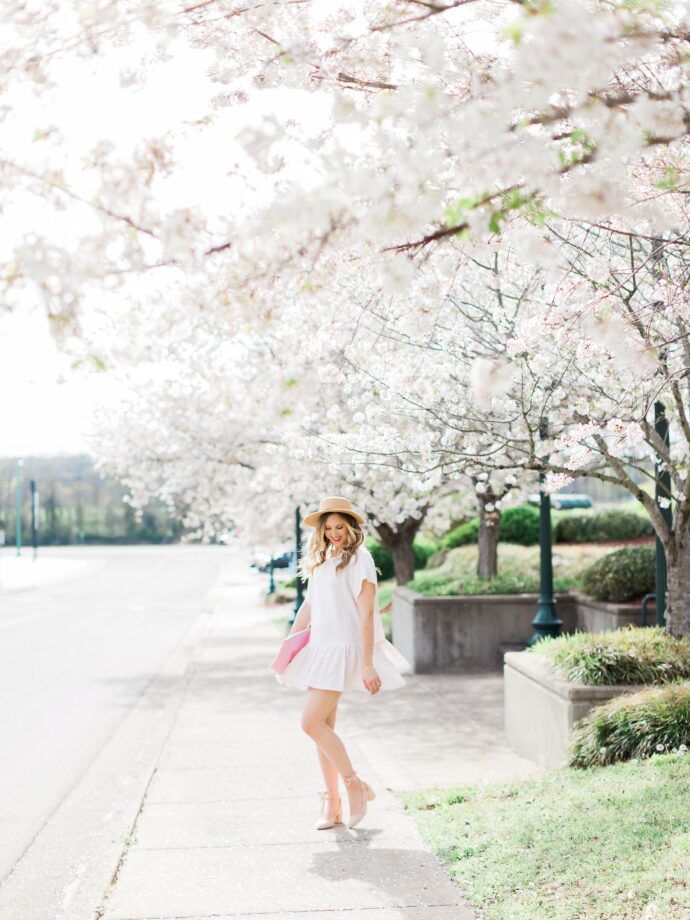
(422, 548)
(655, 720)
(520, 525)
(517, 525)
(463, 535)
(633, 655)
(602, 526)
(622, 575)
(383, 558)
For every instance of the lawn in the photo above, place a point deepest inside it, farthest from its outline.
(609, 843)
(518, 568)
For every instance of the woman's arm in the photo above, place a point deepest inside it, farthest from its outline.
(303, 618)
(365, 605)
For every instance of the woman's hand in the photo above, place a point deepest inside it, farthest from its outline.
(302, 620)
(371, 679)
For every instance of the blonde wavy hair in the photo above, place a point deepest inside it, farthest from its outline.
(319, 548)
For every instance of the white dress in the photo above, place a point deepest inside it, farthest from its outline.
(332, 659)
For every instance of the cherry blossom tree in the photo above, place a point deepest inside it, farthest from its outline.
(238, 433)
(404, 131)
(305, 147)
(560, 370)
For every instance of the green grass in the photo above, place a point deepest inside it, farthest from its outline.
(634, 655)
(386, 592)
(518, 568)
(603, 844)
(631, 726)
(385, 599)
(503, 583)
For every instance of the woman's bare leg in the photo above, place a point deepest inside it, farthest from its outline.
(317, 709)
(329, 770)
(317, 720)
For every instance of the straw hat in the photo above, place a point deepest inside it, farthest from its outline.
(334, 503)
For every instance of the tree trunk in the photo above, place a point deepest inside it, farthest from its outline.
(678, 587)
(487, 561)
(398, 541)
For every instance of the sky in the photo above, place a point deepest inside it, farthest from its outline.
(46, 408)
(44, 411)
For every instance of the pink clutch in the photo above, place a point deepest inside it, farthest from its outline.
(289, 648)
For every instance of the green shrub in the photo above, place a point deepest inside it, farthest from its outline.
(602, 526)
(387, 621)
(657, 719)
(463, 535)
(383, 558)
(520, 525)
(633, 655)
(423, 550)
(517, 525)
(622, 575)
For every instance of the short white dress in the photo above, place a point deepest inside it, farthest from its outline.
(332, 659)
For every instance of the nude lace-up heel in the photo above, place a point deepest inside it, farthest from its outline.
(366, 795)
(328, 819)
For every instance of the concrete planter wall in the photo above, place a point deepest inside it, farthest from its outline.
(456, 632)
(541, 708)
(598, 616)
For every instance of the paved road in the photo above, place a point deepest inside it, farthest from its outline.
(75, 655)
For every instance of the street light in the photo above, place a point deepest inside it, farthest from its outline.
(662, 489)
(271, 578)
(299, 597)
(18, 511)
(546, 622)
(34, 517)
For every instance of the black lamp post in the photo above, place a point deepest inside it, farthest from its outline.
(34, 517)
(546, 622)
(662, 489)
(18, 513)
(299, 597)
(271, 577)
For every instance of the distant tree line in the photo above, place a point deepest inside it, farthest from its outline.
(77, 505)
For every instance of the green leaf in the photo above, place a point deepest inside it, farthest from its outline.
(495, 221)
(670, 179)
(514, 32)
(455, 212)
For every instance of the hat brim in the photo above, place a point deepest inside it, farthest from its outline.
(312, 519)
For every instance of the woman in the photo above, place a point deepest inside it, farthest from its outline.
(347, 648)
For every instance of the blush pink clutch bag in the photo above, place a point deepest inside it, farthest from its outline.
(289, 648)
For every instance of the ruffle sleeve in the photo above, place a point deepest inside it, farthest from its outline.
(362, 570)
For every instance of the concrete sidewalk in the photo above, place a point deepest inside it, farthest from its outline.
(226, 826)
